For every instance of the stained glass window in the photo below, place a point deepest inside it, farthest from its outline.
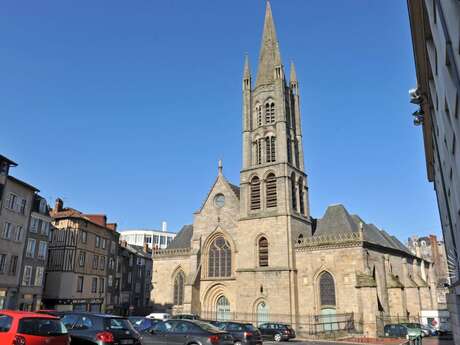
(327, 289)
(179, 282)
(220, 258)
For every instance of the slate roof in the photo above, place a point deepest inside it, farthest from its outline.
(337, 220)
(183, 238)
(235, 189)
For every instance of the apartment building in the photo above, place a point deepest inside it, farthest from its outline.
(135, 267)
(17, 200)
(154, 239)
(80, 250)
(35, 256)
(436, 43)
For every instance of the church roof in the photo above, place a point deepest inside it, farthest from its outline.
(235, 190)
(337, 220)
(183, 238)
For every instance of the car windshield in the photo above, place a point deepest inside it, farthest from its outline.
(118, 323)
(249, 327)
(208, 326)
(412, 325)
(42, 327)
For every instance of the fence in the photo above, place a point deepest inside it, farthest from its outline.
(327, 325)
(383, 320)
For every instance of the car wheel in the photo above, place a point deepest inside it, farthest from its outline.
(237, 343)
(277, 337)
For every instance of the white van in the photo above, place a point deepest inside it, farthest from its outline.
(159, 316)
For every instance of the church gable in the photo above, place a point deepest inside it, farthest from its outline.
(221, 208)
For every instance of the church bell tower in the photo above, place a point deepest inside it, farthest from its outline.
(272, 180)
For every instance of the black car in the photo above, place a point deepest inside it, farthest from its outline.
(243, 333)
(184, 332)
(277, 331)
(100, 329)
(141, 323)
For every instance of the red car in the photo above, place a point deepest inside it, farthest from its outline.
(26, 328)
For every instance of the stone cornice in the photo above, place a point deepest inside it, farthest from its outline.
(160, 253)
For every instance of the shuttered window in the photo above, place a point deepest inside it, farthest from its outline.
(293, 193)
(270, 149)
(263, 252)
(301, 193)
(255, 193)
(271, 191)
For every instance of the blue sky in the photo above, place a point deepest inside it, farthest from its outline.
(124, 107)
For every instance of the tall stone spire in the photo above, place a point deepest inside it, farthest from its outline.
(269, 56)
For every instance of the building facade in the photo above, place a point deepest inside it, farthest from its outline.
(250, 242)
(82, 248)
(154, 239)
(135, 267)
(435, 38)
(34, 256)
(18, 198)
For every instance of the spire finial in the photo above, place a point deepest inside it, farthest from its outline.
(269, 51)
(247, 70)
(219, 166)
(293, 72)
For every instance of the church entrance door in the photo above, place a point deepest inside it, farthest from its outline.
(329, 320)
(223, 309)
(262, 313)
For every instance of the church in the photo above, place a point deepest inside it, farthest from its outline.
(254, 253)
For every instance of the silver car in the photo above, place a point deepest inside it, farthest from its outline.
(183, 332)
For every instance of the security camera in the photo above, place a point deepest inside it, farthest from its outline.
(415, 96)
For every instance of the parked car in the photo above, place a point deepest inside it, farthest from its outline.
(159, 316)
(185, 317)
(142, 323)
(183, 332)
(243, 333)
(401, 331)
(101, 329)
(430, 330)
(52, 312)
(276, 331)
(417, 326)
(24, 328)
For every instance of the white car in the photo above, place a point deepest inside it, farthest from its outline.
(159, 316)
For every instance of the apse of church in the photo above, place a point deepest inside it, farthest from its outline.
(253, 252)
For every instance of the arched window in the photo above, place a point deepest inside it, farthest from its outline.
(293, 193)
(289, 149)
(263, 252)
(259, 143)
(223, 309)
(259, 115)
(270, 113)
(255, 193)
(301, 201)
(326, 289)
(262, 313)
(271, 191)
(179, 282)
(220, 258)
(270, 149)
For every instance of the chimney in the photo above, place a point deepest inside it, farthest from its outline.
(164, 226)
(58, 205)
(112, 226)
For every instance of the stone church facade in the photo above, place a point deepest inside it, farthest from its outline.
(254, 253)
